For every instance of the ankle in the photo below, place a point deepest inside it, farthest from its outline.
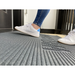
(35, 26)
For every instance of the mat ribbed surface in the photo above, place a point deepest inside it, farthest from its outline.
(20, 49)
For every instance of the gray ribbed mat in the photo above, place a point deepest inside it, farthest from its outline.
(20, 49)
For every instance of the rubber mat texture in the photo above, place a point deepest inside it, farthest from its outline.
(24, 50)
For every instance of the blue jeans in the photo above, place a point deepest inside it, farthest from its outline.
(41, 14)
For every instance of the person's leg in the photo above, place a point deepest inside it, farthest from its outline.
(34, 28)
(41, 14)
(70, 38)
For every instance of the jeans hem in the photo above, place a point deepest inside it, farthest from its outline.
(37, 24)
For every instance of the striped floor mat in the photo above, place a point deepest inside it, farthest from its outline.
(20, 49)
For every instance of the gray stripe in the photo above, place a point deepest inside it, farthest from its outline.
(20, 49)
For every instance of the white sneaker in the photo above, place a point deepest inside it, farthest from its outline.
(28, 29)
(69, 39)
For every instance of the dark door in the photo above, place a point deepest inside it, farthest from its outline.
(5, 19)
(18, 17)
(66, 21)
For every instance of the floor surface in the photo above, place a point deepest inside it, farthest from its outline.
(21, 49)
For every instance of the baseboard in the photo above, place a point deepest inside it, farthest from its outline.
(54, 31)
(5, 29)
(47, 30)
(65, 32)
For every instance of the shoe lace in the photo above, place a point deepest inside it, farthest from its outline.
(69, 34)
(28, 24)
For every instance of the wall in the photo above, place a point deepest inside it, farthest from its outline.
(49, 22)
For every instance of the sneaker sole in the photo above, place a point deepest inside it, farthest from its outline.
(26, 33)
(65, 43)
